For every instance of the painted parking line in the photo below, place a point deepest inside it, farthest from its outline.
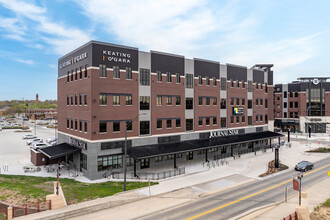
(251, 195)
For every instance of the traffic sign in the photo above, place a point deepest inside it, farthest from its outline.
(295, 184)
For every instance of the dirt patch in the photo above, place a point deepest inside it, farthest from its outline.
(13, 198)
(272, 169)
(321, 213)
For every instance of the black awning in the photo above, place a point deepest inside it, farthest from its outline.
(60, 150)
(198, 144)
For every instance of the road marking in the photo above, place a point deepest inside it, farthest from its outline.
(251, 195)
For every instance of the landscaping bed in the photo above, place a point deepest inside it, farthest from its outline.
(321, 212)
(19, 190)
(272, 169)
(320, 150)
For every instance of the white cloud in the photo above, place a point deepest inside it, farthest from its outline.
(61, 37)
(29, 62)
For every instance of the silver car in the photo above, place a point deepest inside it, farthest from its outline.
(29, 136)
(34, 141)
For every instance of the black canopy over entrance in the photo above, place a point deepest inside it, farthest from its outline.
(155, 150)
(60, 150)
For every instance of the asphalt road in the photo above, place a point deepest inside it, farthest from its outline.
(238, 200)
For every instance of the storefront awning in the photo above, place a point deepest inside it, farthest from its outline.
(60, 150)
(155, 150)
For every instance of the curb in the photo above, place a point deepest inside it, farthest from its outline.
(261, 208)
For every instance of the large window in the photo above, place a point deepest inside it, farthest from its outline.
(168, 100)
(116, 100)
(168, 77)
(144, 77)
(207, 81)
(103, 99)
(189, 80)
(159, 123)
(266, 102)
(223, 122)
(207, 101)
(116, 72)
(159, 100)
(144, 127)
(168, 123)
(177, 100)
(200, 81)
(159, 76)
(214, 81)
(189, 103)
(129, 100)
(83, 161)
(200, 101)
(223, 104)
(200, 121)
(178, 78)
(144, 102)
(214, 120)
(128, 73)
(116, 126)
(103, 70)
(249, 120)
(85, 99)
(214, 101)
(178, 123)
(249, 103)
(129, 125)
(109, 162)
(189, 124)
(103, 127)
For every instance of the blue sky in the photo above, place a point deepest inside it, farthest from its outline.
(293, 35)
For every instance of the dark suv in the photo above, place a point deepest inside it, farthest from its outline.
(304, 166)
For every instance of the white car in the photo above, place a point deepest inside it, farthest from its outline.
(39, 145)
(29, 136)
(34, 141)
(53, 139)
(0, 128)
(52, 143)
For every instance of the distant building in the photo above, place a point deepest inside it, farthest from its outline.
(303, 103)
(37, 98)
(36, 114)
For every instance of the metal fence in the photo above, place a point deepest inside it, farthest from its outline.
(31, 208)
(151, 176)
(293, 216)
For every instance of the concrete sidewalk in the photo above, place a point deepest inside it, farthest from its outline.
(316, 195)
(181, 189)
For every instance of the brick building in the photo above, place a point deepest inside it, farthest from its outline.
(303, 103)
(41, 114)
(174, 109)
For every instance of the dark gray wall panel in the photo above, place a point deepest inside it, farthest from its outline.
(236, 73)
(258, 76)
(205, 68)
(113, 55)
(167, 63)
(270, 78)
(70, 62)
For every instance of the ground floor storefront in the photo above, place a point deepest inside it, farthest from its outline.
(98, 160)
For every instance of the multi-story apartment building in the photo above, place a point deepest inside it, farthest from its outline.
(303, 103)
(172, 109)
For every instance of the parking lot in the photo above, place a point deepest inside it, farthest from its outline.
(14, 150)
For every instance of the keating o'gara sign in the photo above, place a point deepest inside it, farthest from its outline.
(115, 56)
(214, 134)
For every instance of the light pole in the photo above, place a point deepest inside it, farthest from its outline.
(125, 150)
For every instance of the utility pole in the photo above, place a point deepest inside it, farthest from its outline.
(300, 177)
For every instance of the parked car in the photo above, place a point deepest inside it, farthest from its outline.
(36, 146)
(304, 166)
(29, 136)
(0, 128)
(52, 143)
(36, 140)
(51, 139)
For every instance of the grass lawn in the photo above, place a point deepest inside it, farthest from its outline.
(29, 189)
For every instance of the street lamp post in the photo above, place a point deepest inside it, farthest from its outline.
(125, 150)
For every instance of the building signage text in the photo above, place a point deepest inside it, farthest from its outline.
(214, 134)
(117, 57)
(73, 60)
(78, 143)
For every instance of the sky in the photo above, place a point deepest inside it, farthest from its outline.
(293, 35)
